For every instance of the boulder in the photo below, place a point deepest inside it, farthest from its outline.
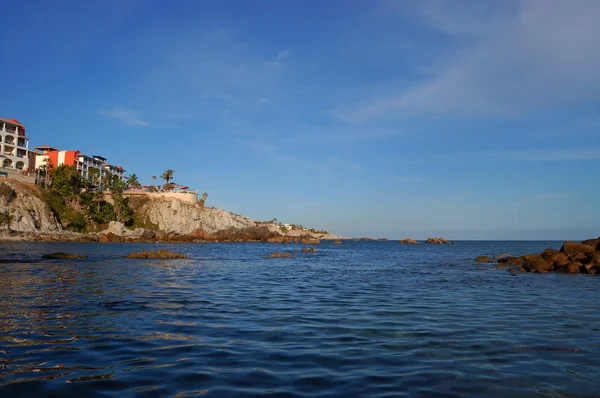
(582, 258)
(280, 255)
(592, 242)
(483, 259)
(571, 248)
(158, 254)
(573, 268)
(548, 253)
(309, 250)
(409, 241)
(439, 241)
(511, 260)
(63, 256)
(535, 263)
(310, 241)
(337, 242)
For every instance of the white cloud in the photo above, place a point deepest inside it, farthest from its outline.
(536, 56)
(128, 118)
(283, 55)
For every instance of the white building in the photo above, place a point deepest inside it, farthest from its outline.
(14, 149)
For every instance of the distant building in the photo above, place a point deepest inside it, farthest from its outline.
(90, 167)
(14, 149)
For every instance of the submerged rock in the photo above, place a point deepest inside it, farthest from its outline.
(337, 242)
(310, 241)
(572, 248)
(63, 256)
(483, 259)
(309, 250)
(409, 241)
(439, 241)
(280, 255)
(158, 254)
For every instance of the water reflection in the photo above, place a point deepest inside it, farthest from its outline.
(360, 319)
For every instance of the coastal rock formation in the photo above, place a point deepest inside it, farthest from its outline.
(310, 241)
(409, 241)
(439, 241)
(157, 254)
(176, 216)
(63, 256)
(483, 259)
(280, 255)
(572, 258)
(118, 229)
(25, 211)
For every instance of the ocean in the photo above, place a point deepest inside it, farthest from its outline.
(361, 319)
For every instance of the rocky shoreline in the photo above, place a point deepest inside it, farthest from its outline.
(572, 258)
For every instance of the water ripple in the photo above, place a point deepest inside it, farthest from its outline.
(373, 319)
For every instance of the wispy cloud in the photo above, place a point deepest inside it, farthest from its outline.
(283, 54)
(407, 178)
(128, 118)
(513, 60)
(550, 196)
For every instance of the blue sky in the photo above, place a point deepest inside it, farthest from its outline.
(470, 120)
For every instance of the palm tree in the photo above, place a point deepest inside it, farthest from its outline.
(153, 179)
(93, 175)
(204, 196)
(167, 176)
(133, 181)
(47, 168)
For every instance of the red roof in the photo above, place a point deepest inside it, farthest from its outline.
(12, 121)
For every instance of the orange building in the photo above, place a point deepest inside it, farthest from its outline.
(94, 168)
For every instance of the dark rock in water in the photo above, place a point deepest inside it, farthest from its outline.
(63, 256)
(156, 254)
(409, 241)
(309, 250)
(535, 263)
(483, 259)
(439, 241)
(557, 260)
(280, 255)
(548, 253)
(511, 260)
(310, 241)
(582, 258)
(573, 268)
(595, 243)
(571, 248)
(337, 242)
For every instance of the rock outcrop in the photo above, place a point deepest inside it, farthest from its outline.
(409, 241)
(572, 258)
(25, 211)
(439, 241)
(176, 216)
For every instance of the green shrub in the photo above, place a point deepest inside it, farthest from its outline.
(7, 193)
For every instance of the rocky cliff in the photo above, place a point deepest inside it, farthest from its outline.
(176, 216)
(23, 210)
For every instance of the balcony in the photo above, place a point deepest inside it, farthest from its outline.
(9, 140)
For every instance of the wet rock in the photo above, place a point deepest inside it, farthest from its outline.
(280, 255)
(572, 248)
(557, 259)
(310, 241)
(511, 260)
(409, 241)
(592, 242)
(549, 253)
(156, 254)
(309, 250)
(439, 241)
(582, 258)
(337, 242)
(573, 268)
(483, 259)
(63, 256)
(535, 263)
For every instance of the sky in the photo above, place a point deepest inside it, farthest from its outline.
(469, 120)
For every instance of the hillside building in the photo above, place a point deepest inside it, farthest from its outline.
(14, 149)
